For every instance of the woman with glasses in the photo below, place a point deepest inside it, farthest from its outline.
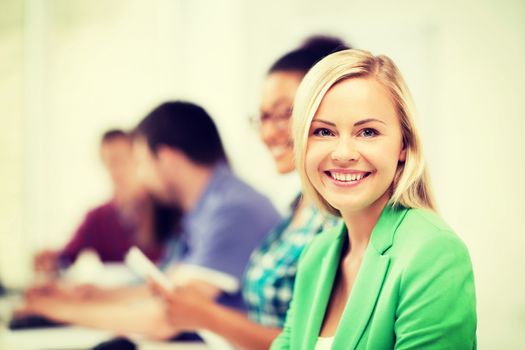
(269, 278)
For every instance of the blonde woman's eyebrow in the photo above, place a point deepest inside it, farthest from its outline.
(358, 123)
(368, 120)
(323, 121)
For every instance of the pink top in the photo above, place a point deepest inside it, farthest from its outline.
(105, 231)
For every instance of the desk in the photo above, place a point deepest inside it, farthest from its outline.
(78, 338)
(70, 338)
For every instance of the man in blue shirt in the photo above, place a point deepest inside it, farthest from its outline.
(181, 161)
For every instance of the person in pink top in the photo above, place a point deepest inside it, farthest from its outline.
(129, 218)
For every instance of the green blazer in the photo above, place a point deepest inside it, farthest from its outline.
(414, 290)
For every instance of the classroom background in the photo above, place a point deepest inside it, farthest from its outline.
(69, 70)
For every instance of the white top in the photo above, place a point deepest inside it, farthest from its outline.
(324, 343)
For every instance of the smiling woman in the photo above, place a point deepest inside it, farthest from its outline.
(376, 91)
(355, 142)
(394, 275)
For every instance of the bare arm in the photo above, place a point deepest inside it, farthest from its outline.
(86, 292)
(120, 294)
(144, 316)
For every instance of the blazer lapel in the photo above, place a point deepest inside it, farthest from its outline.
(369, 281)
(323, 290)
(362, 300)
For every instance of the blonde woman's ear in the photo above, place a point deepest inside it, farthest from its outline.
(403, 154)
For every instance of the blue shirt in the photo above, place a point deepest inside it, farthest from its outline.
(228, 222)
(269, 279)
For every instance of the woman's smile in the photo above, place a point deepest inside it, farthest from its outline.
(346, 177)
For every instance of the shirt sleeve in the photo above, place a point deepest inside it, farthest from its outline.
(225, 243)
(437, 304)
(79, 241)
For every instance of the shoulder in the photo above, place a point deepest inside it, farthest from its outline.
(424, 228)
(425, 219)
(423, 239)
(231, 207)
(107, 209)
(430, 285)
(232, 195)
(238, 191)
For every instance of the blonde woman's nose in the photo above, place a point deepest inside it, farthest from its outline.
(345, 150)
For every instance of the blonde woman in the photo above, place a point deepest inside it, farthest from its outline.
(394, 275)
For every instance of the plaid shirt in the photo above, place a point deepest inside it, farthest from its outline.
(269, 277)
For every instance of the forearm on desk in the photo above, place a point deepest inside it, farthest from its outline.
(145, 317)
(121, 294)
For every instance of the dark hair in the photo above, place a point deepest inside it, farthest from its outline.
(308, 54)
(112, 134)
(166, 221)
(186, 127)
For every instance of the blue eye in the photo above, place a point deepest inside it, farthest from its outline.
(323, 132)
(368, 132)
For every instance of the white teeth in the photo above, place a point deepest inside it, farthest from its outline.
(347, 177)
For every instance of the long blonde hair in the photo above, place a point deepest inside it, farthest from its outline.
(411, 185)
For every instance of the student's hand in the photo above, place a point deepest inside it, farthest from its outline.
(187, 307)
(46, 261)
(156, 288)
(38, 304)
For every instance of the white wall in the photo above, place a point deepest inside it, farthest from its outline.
(11, 56)
(90, 66)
